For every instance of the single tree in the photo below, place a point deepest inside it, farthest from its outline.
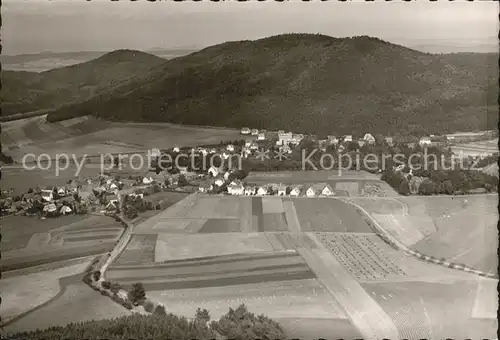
(137, 293)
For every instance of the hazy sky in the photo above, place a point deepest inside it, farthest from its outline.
(31, 26)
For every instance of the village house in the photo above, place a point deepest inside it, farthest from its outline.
(205, 187)
(61, 192)
(333, 140)
(284, 138)
(50, 209)
(176, 149)
(368, 138)
(261, 136)
(425, 141)
(282, 190)
(248, 143)
(65, 210)
(361, 142)
(47, 195)
(250, 190)
(255, 132)
(254, 146)
(245, 131)
(235, 189)
(182, 169)
(319, 189)
(389, 141)
(219, 182)
(230, 147)
(213, 171)
(348, 138)
(262, 191)
(296, 191)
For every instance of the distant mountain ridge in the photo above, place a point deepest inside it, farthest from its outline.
(307, 83)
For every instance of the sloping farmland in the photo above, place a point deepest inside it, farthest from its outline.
(423, 310)
(400, 227)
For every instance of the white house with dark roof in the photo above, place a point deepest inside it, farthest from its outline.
(236, 189)
(255, 132)
(425, 141)
(348, 138)
(250, 190)
(296, 191)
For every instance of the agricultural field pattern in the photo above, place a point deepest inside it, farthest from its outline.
(304, 262)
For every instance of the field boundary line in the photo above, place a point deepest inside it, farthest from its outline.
(365, 313)
(388, 238)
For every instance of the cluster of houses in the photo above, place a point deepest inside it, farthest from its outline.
(290, 139)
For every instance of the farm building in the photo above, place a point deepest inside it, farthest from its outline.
(261, 136)
(255, 132)
(245, 131)
(50, 208)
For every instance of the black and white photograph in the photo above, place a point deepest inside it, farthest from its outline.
(241, 170)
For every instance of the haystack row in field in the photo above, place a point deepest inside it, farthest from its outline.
(23, 293)
(364, 312)
(486, 301)
(297, 299)
(399, 227)
(361, 256)
(329, 215)
(175, 247)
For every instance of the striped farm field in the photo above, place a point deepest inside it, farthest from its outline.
(274, 222)
(139, 250)
(424, 310)
(176, 247)
(15, 260)
(328, 215)
(303, 298)
(293, 240)
(215, 271)
(18, 230)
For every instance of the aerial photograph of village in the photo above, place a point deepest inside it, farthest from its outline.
(328, 171)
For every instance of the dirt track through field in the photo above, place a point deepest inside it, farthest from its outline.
(364, 312)
(291, 217)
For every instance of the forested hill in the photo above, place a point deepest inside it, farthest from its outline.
(309, 83)
(32, 91)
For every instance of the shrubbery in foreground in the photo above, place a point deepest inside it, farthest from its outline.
(237, 324)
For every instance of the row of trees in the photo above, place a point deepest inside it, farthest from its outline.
(447, 182)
